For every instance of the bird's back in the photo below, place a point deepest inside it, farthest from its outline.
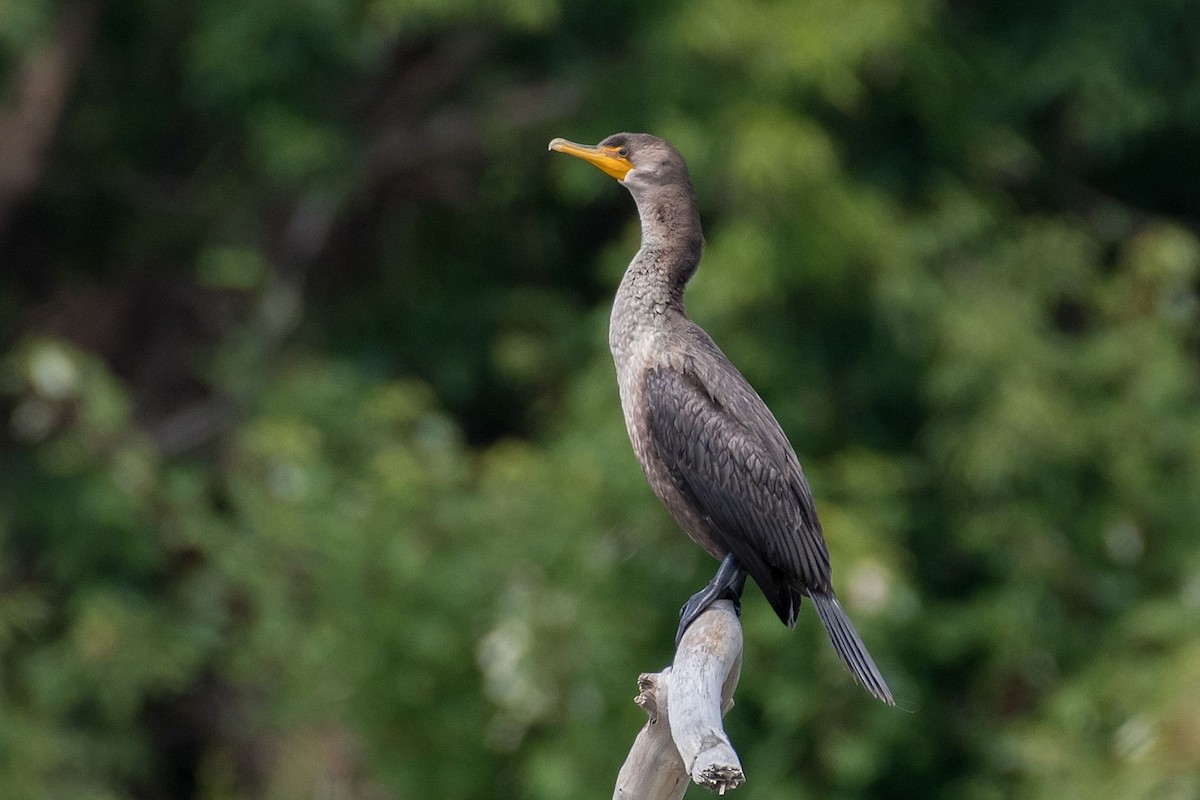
(722, 465)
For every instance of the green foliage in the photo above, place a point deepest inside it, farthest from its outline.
(314, 481)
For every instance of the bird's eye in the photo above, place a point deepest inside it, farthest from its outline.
(623, 152)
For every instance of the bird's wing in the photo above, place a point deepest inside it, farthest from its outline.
(726, 457)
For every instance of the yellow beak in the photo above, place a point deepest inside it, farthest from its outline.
(606, 158)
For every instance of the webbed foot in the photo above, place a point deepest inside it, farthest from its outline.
(727, 584)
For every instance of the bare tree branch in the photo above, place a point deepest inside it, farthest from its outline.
(684, 737)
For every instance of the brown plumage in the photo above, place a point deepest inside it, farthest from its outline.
(711, 449)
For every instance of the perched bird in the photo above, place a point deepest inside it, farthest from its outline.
(711, 449)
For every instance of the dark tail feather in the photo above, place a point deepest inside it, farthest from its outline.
(850, 647)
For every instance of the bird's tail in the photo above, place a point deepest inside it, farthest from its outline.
(850, 647)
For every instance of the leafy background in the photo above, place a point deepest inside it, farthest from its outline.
(313, 482)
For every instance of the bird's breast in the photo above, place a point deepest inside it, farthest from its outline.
(642, 341)
(638, 336)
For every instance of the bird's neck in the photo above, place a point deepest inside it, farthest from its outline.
(672, 243)
(649, 286)
(650, 298)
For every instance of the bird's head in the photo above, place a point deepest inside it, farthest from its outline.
(639, 161)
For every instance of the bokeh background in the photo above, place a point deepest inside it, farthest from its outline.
(313, 481)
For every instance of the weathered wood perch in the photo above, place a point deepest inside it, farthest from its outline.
(684, 737)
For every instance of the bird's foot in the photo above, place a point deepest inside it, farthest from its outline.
(726, 584)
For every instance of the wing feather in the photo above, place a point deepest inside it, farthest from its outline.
(727, 459)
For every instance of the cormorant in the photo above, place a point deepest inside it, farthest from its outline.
(711, 449)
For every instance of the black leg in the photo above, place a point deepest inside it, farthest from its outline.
(728, 583)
